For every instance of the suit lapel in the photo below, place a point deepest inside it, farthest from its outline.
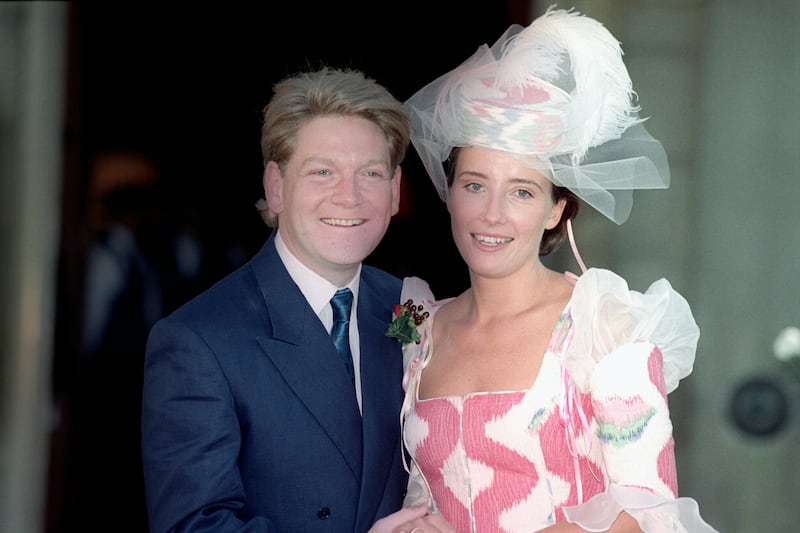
(302, 351)
(381, 376)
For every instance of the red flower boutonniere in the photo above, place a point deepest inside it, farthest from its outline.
(405, 319)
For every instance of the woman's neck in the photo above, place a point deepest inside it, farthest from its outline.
(490, 299)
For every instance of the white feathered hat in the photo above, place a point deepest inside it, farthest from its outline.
(556, 93)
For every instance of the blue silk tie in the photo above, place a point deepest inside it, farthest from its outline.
(340, 332)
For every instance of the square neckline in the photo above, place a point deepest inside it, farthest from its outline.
(462, 398)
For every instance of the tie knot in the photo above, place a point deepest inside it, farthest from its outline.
(341, 303)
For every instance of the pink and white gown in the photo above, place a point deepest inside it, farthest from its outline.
(592, 435)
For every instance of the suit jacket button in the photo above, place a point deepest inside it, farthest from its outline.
(324, 513)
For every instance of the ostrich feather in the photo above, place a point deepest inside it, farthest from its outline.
(580, 56)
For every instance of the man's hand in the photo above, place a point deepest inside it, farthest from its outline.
(413, 519)
(391, 523)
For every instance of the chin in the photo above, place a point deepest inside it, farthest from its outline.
(349, 255)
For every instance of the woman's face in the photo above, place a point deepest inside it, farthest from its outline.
(499, 209)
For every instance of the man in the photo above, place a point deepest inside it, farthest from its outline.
(250, 421)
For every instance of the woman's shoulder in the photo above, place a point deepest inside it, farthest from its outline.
(417, 293)
(600, 295)
(607, 314)
(416, 289)
(418, 302)
(599, 288)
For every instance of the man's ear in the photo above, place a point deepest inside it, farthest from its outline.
(273, 187)
(398, 175)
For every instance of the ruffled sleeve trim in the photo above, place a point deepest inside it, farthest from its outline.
(606, 315)
(653, 513)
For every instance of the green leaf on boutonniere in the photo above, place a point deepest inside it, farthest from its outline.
(406, 318)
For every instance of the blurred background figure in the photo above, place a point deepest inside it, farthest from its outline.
(123, 297)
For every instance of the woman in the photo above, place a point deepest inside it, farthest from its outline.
(537, 400)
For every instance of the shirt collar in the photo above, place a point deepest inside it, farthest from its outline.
(317, 290)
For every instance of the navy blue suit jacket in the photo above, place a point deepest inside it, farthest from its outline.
(249, 421)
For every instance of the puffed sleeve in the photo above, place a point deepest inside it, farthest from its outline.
(607, 315)
(639, 346)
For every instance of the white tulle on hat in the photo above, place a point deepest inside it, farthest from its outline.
(555, 93)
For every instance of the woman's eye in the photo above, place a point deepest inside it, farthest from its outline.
(474, 187)
(522, 193)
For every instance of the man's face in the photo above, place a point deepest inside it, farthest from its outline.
(337, 195)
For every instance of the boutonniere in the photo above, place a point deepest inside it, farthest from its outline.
(405, 319)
